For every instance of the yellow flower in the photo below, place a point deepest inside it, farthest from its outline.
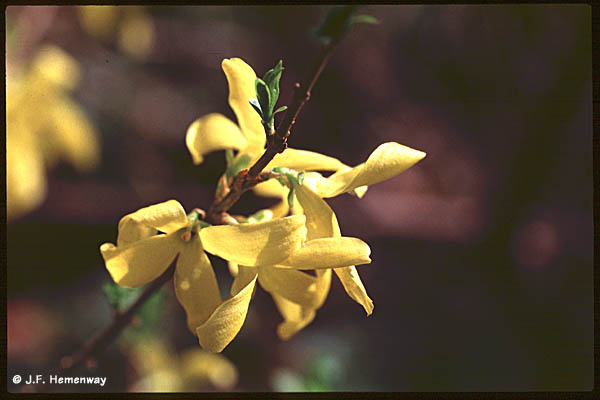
(43, 126)
(216, 132)
(296, 294)
(142, 254)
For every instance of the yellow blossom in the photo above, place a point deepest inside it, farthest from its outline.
(150, 239)
(216, 132)
(296, 294)
(44, 125)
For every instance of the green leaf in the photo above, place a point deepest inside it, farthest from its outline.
(243, 161)
(119, 297)
(280, 109)
(272, 78)
(256, 105)
(335, 25)
(228, 156)
(362, 19)
(264, 98)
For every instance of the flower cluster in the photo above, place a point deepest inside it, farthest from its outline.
(270, 248)
(44, 125)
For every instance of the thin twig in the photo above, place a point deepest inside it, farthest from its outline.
(121, 320)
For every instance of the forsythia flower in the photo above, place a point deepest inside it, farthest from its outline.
(296, 294)
(43, 125)
(142, 254)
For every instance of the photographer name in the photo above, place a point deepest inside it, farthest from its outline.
(66, 380)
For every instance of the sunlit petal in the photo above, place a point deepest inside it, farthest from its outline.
(293, 285)
(195, 284)
(255, 244)
(388, 160)
(241, 77)
(211, 133)
(167, 217)
(295, 317)
(304, 160)
(243, 278)
(329, 253)
(226, 321)
(321, 221)
(354, 287)
(140, 262)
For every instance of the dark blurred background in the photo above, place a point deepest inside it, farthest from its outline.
(482, 272)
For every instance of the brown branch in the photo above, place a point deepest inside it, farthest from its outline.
(276, 143)
(98, 343)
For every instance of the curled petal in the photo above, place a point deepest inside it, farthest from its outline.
(226, 321)
(195, 284)
(388, 160)
(167, 217)
(354, 287)
(140, 262)
(211, 133)
(295, 317)
(241, 77)
(304, 160)
(255, 244)
(321, 221)
(243, 278)
(292, 285)
(329, 253)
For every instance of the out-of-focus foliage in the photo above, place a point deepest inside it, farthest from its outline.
(44, 125)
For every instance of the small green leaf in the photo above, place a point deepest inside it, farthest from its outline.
(228, 156)
(290, 198)
(264, 98)
(272, 78)
(280, 109)
(256, 105)
(362, 19)
(243, 161)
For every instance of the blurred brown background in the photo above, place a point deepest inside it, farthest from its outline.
(482, 272)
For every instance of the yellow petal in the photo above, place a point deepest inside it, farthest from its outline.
(234, 269)
(271, 188)
(226, 321)
(295, 286)
(304, 160)
(73, 136)
(167, 217)
(329, 253)
(354, 287)
(195, 284)
(201, 365)
(255, 244)
(243, 278)
(241, 77)
(321, 221)
(388, 160)
(140, 262)
(295, 317)
(57, 67)
(211, 133)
